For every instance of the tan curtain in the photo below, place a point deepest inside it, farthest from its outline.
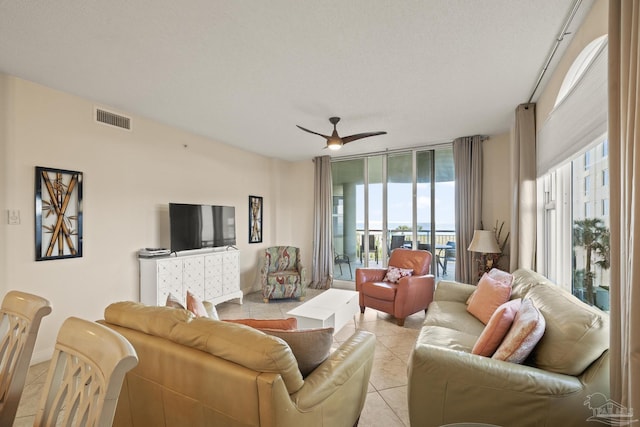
(467, 162)
(523, 177)
(322, 273)
(624, 162)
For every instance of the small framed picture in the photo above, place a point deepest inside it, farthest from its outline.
(58, 198)
(255, 219)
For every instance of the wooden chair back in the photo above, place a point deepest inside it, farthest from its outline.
(85, 376)
(20, 317)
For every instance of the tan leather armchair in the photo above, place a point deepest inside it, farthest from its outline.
(410, 295)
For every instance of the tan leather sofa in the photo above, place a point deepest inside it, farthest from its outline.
(410, 295)
(203, 372)
(448, 384)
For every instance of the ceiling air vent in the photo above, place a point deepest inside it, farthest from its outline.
(113, 119)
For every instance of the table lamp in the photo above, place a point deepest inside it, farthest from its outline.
(485, 242)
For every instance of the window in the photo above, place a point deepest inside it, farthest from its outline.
(587, 185)
(577, 239)
(587, 160)
(573, 181)
(387, 201)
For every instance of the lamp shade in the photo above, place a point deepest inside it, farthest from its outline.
(484, 241)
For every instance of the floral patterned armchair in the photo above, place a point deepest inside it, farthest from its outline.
(282, 274)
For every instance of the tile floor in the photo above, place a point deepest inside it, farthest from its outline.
(386, 403)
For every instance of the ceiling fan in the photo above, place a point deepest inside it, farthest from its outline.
(334, 142)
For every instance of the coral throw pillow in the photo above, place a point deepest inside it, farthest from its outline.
(497, 328)
(173, 301)
(194, 305)
(310, 347)
(288, 324)
(527, 329)
(501, 276)
(486, 299)
(394, 274)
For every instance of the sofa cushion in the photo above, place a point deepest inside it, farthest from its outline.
(151, 320)
(284, 278)
(453, 315)
(497, 328)
(417, 260)
(211, 310)
(194, 305)
(438, 336)
(380, 290)
(576, 333)
(310, 347)
(526, 331)
(500, 276)
(173, 301)
(243, 345)
(525, 279)
(289, 324)
(490, 294)
(394, 274)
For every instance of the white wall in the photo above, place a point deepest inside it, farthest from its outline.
(4, 136)
(129, 179)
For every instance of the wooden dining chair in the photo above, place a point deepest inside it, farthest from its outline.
(85, 376)
(20, 317)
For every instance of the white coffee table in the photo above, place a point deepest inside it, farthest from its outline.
(332, 308)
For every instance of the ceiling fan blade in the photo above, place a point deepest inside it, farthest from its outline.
(357, 136)
(315, 133)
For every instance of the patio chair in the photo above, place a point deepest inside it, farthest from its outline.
(372, 247)
(449, 255)
(396, 242)
(340, 259)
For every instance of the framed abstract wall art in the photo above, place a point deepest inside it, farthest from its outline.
(255, 219)
(58, 197)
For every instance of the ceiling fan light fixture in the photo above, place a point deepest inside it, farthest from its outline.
(334, 144)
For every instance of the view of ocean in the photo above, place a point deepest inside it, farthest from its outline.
(422, 226)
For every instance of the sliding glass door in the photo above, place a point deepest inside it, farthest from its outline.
(388, 201)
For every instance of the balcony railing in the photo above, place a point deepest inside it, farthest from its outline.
(352, 258)
(442, 238)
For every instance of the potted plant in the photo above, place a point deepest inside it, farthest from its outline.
(593, 236)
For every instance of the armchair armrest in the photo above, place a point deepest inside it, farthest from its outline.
(414, 293)
(353, 355)
(453, 291)
(303, 273)
(264, 270)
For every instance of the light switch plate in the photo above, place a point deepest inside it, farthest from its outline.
(13, 217)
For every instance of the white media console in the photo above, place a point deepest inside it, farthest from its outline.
(211, 276)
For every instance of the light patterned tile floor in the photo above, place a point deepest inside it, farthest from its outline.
(386, 404)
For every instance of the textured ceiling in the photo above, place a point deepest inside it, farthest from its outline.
(245, 73)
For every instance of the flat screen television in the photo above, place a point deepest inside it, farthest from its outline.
(201, 226)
